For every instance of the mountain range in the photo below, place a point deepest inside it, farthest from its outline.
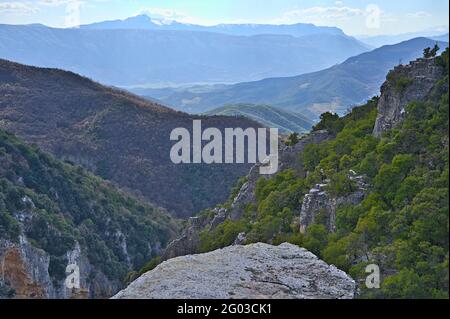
(163, 56)
(116, 135)
(336, 89)
(144, 22)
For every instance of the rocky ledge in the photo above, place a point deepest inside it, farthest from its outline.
(256, 271)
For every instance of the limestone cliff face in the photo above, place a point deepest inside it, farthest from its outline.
(257, 271)
(405, 84)
(23, 279)
(25, 273)
(320, 204)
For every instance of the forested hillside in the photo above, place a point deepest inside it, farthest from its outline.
(53, 213)
(356, 199)
(114, 134)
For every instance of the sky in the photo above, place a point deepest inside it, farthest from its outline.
(355, 17)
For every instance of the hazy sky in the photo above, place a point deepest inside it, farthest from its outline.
(355, 17)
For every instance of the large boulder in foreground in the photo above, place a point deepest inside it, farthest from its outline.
(256, 271)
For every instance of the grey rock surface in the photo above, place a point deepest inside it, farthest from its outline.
(258, 271)
(419, 78)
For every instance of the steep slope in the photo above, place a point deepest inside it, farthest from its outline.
(352, 197)
(257, 271)
(53, 214)
(147, 23)
(268, 116)
(156, 57)
(335, 89)
(116, 135)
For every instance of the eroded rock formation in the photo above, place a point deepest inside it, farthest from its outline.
(319, 206)
(25, 273)
(405, 84)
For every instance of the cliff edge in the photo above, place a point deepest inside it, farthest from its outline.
(256, 271)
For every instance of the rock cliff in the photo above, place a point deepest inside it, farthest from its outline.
(405, 84)
(54, 215)
(257, 271)
(319, 204)
(25, 272)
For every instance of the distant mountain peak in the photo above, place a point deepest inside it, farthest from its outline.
(139, 17)
(148, 22)
(144, 18)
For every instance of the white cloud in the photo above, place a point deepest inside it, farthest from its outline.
(17, 8)
(321, 14)
(56, 3)
(53, 2)
(418, 14)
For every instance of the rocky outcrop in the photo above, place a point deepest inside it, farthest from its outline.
(25, 280)
(257, 271)
(319, 206)
(405, 84)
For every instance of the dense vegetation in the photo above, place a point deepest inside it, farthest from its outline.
(402, 224)
(55, 204)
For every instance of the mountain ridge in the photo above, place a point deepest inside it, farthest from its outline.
(334, 89)
(133, 57)
(117, 135)
(145, 22)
